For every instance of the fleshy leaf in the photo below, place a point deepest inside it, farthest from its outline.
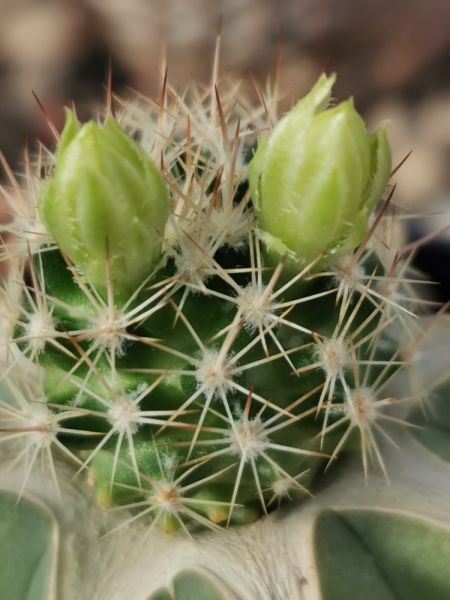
(5, 394)
(374, 555)
(162, 595)
(27, 547)
(194, 585)
(434, 423)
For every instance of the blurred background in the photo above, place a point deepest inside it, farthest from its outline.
(393, 56)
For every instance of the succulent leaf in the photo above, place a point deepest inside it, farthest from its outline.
(195, 584)
(370, 554)
(28, 542)
(433, 423)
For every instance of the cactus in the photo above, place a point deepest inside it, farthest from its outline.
(206, 313)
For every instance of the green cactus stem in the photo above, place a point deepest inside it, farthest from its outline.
(197, 381)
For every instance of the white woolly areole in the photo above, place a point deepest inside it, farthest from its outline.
(229, 226)
(39, 329)
(9, 313)
(193, 265)
(281, 487)
(362, 407)
(108, 331)
(42, 425)
(256, 307)
(166, 496)
(389, 289)
(31, 235)
(249, 438)
(213, 374)
(348, 271)
(334, 355)
(124, 415)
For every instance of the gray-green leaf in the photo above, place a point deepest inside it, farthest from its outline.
(376, 555)
(434, 422)
(27, 550)
(194, 585)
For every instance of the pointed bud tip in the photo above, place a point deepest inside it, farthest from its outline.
(106, 202)
(318, 176)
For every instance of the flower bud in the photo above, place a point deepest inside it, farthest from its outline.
(316, 179)
(106, 205)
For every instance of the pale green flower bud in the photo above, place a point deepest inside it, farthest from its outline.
(106, 204)
(316, 179)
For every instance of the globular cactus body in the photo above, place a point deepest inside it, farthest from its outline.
(219, 388)
(214, 333)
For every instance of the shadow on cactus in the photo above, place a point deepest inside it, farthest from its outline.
(216, 300)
